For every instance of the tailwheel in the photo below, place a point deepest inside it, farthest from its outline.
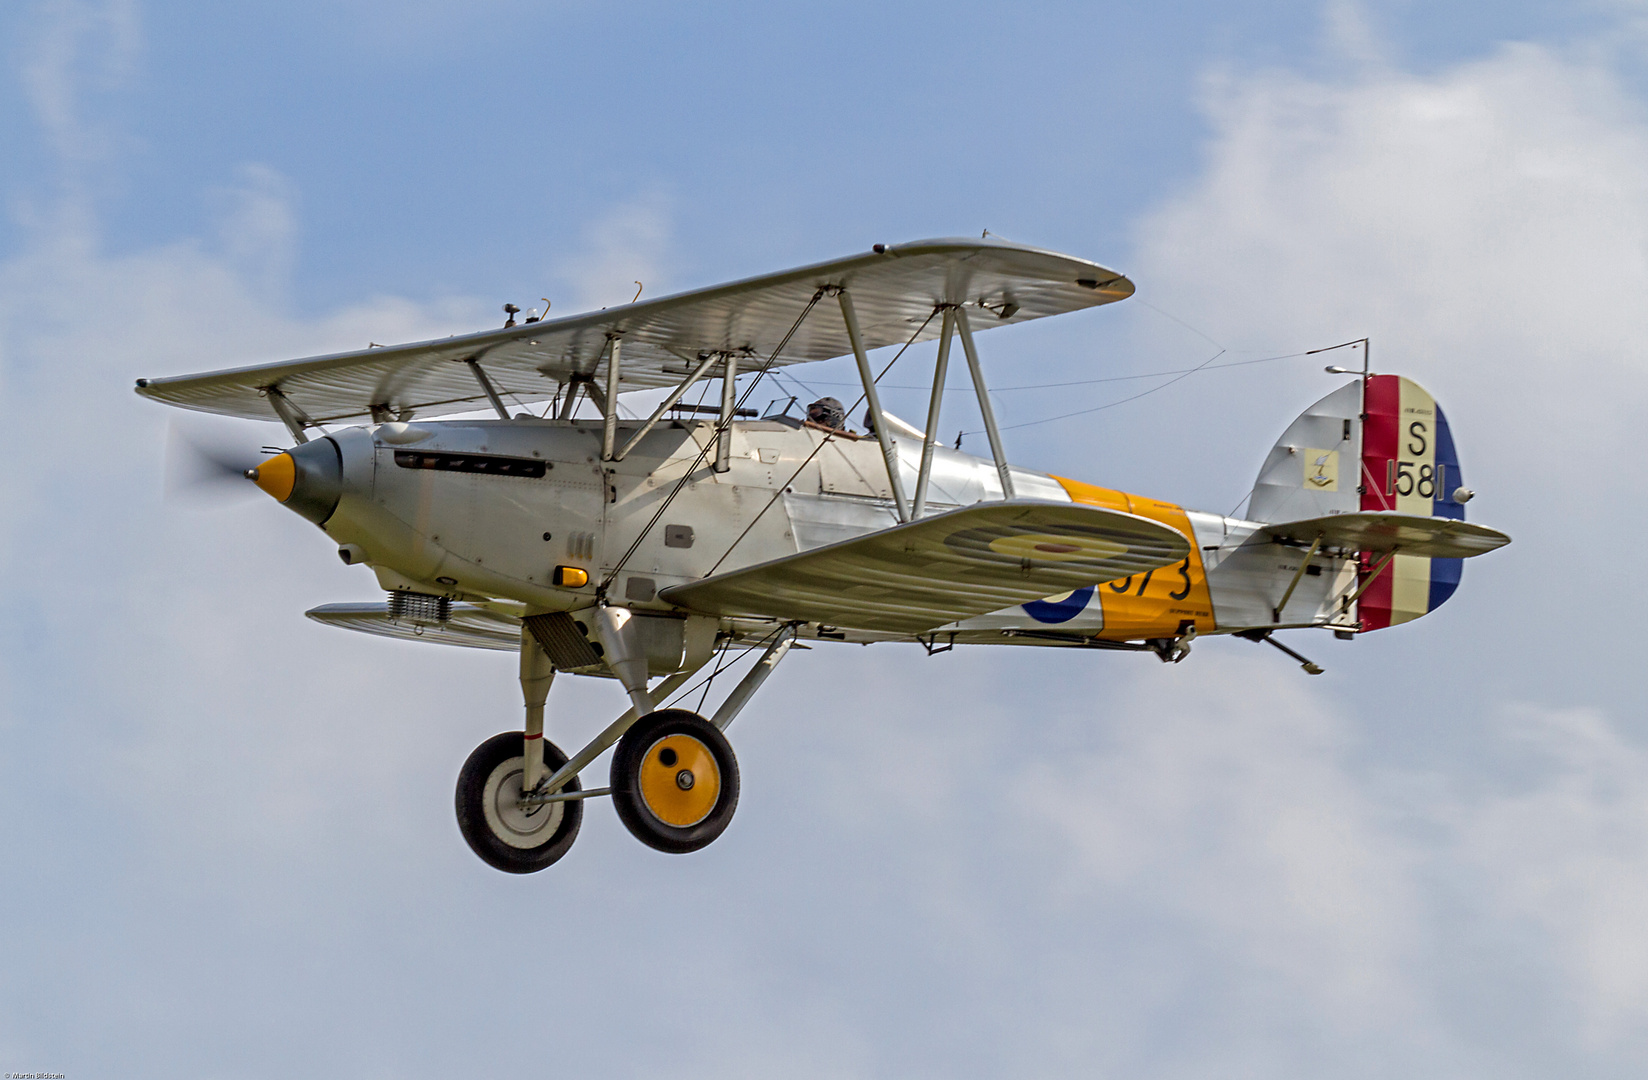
(674, 781)
(498, 829)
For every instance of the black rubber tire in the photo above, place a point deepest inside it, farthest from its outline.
(633, 810)
(478, 831)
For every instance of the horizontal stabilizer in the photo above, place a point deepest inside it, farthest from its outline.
(944, 568)
(1411, 534)
(467, 625)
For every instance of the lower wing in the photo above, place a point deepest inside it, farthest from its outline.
(944, 568)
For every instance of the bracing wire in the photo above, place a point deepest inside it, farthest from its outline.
(969, 389)
(682, 695)
(721, 426)
(821, 444)
(1113, 404)
(720, 666)
(790, 376)
(1170, 317)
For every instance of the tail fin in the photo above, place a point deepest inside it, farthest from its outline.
(1390, 452)
(1312, 470)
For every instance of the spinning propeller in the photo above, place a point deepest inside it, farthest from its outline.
(208, 463)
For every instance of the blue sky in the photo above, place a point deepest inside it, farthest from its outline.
(436, 148)
(226, 833)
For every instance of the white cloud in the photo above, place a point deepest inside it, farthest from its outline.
(258, 226)
(628, 243)
(1565, 856)
(1239, 814)
(1487, 225)
(78, 47)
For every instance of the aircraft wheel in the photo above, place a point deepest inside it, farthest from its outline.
(674, 781)
(505, 836)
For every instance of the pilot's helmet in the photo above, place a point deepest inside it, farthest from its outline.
(827, 412)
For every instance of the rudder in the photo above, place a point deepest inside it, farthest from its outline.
(1409, 465)
(1393, 452)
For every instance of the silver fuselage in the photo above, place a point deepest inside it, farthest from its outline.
(485, 511)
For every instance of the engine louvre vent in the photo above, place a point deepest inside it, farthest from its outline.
(419, 608)
(566, 647)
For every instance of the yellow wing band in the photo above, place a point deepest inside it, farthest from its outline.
(1158, 603)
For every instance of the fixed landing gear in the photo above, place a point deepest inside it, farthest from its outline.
(506, 835)
(674, 775)
(674, 781)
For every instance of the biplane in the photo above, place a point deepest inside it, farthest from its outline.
(642, 548)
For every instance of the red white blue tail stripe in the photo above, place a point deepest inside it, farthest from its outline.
(1408, 465)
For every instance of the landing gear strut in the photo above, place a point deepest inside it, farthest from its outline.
(517, 837)
(674, 775)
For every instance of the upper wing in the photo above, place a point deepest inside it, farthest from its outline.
(893, 291)
(944, 568)
(1411, 534)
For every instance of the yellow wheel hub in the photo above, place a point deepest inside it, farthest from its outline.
(679, 780)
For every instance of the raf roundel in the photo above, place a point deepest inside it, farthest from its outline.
(1062, 608)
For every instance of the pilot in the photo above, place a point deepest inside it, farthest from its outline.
(827, 413)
